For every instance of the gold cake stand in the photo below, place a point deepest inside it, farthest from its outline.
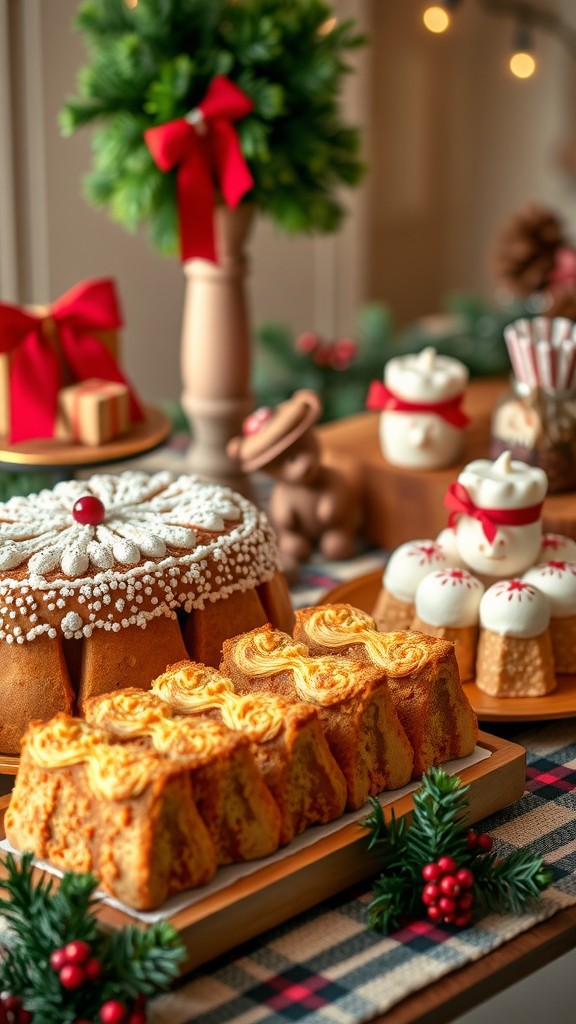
(50, 453)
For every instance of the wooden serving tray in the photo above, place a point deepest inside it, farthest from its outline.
(561, 703)
(303, 879)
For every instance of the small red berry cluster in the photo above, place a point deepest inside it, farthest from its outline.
(337, 354)
(76, 966)
(449, 890)
(12, 1011)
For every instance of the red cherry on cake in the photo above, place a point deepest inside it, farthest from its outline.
(88, 510)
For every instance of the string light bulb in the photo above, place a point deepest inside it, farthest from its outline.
(436, 19)
(522, 62)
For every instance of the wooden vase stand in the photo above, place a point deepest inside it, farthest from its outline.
(400, 505)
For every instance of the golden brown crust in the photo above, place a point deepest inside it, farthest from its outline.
(353, 702)
(422, 674)
(287, 741)
(508, 666)
(563, 636)
(230, 793)
(34, 684)
(142, 849)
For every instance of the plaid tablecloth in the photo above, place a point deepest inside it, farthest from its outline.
(326, 966)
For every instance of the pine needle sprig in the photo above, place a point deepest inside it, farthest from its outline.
(393, 898)
(512, 883)
(440, 807)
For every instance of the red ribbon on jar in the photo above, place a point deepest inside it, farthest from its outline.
(381, 398)
(87, 308)
(204, 147)
(458, 501)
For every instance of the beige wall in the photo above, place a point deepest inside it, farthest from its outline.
(454, 144)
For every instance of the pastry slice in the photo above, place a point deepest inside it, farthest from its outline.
(407, 566)
(232, 798)
(421, 671)
(515, 650)
(557, 580)
(447, 605)
(124, 813)
(353, 703)
(286, 737)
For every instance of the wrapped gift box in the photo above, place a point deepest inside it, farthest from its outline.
(93, 412)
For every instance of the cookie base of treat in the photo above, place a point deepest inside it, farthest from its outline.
(563, 635)
(464, 638)
(508, 666)
(392, 614)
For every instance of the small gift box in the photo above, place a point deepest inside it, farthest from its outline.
(93, 412)
(44, 349)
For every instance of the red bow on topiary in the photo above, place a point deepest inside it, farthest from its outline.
(204, 147)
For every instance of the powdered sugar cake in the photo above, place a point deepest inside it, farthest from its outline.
(86, 607)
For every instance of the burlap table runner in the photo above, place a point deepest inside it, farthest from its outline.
(326, 966)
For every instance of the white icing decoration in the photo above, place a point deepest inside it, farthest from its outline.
(145, 516)
(71, 623)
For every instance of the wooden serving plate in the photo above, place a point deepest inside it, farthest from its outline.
(362, 593)
(274, 893)
(50, 452)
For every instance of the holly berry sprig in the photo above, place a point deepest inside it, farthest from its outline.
(437, 867)
(59, 965)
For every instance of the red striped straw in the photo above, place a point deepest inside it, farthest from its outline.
(543, 352)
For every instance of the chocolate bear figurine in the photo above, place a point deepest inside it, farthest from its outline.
(311, 505)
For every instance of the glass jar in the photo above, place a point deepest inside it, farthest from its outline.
(538, 427)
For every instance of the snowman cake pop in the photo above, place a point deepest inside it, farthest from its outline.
(558, 581)
(514, 656)
(496, 510)
(406, 567)
(447, 605)
(421, 422)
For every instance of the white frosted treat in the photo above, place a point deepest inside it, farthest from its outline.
(426, 377)
(449, 597)
(558, 581)
(409, 564)
(424, 437)
(505, 486)
(447, 541)
(514, 608)
(555, 547)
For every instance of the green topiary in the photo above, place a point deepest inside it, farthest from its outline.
(152, 62)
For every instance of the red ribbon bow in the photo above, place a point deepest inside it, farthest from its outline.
(34, 365)
(207, 153)
(458, 500)
(380, 397)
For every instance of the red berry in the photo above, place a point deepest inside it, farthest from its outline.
(307, 342)
(431, 873)
(434, 913)
(449, 886)
(137, 1017)
(93, 969)
(12, 1002)
(25, 1017)
(465, 901)
(447, 905)
(485, 842)
(472, 839)
(461, 920)
(447, 865)
(448, 918)
(77, 951)
(88, 510)
(112, 1012)
(465, 878)
(430, 894)
(72, 976)
(57, 959)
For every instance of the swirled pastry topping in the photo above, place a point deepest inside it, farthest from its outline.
(115, 771)
(398, 653)
(191, 688)
(134, 714)
(325, 681)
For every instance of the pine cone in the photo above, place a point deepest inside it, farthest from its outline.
(525, 249)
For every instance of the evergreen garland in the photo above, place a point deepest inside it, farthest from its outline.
(153, 62)
(436, 832)
(43, 919)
